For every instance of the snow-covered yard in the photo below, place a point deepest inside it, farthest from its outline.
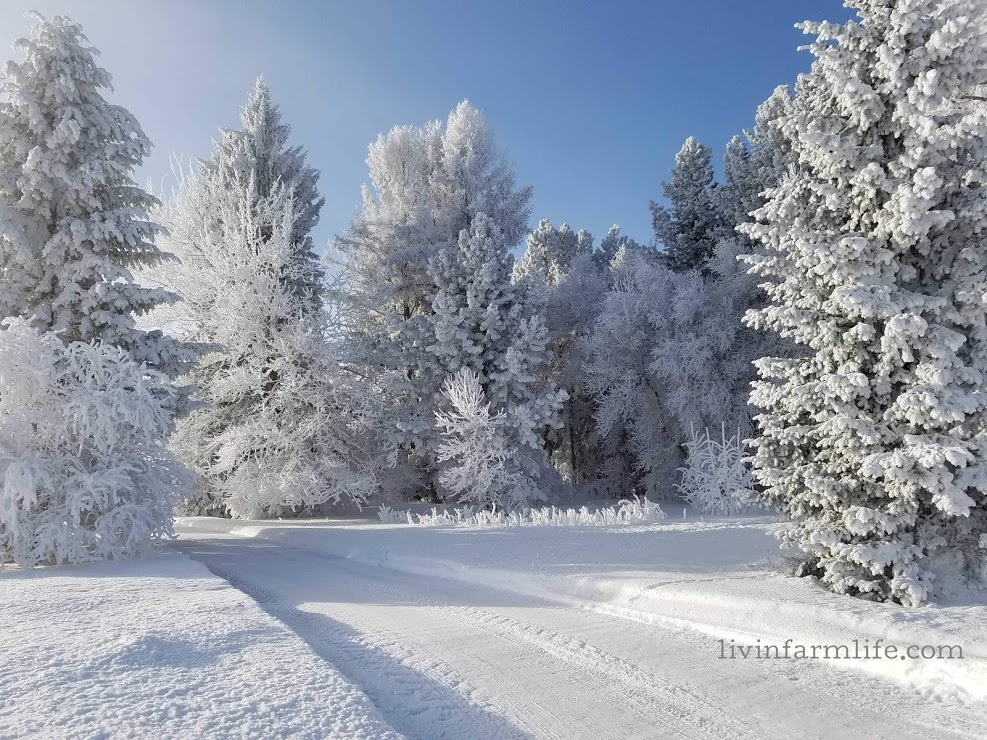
(351, 627)
(161, 648)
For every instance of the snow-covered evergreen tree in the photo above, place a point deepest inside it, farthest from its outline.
(73, 224)
(613, 244)
(280, 430)
(690, 228)
(428, 184)
(482, 463)
(483, 321)
(549, 253)
(873, 444)
(260, 150)
(84, 470)
(755, 162)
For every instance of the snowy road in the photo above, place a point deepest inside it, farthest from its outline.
(442, 659)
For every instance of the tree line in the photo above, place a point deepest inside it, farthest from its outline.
(826, 300)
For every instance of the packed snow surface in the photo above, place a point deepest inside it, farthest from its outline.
(595, 632)
(162, 649)
(354, 628)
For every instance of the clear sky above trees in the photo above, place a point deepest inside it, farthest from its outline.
(592, 100)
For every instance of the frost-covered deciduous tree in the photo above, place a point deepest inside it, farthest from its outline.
(73, 224)
(690, 228)
(428, 184)
(280, 431)
(873, 444)
(669, 353)
(571, 307)
(562, 266)
(84, 470)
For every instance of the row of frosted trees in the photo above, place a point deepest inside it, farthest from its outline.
(198, 351)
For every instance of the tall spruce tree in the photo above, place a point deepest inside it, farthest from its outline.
(690, 228)
(261, 152)
(755, 162)
(874, 443)
(73, 224)
(275, 435)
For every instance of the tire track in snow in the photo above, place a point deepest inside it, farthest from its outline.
(408, 697)
(681, 712)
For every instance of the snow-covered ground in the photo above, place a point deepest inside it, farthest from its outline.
(375, 630)
(597, 632)
(163, 649)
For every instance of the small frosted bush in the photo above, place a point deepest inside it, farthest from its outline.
(716, 479)
(638, 510)
(84, 471)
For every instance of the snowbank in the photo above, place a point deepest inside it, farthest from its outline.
(724, 577)
(161, 648)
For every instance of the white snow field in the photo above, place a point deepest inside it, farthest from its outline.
(380, 630)
(596, 632)
(164, 649)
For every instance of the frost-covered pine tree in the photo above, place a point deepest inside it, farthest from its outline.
(482, 462)
(280, 429)
(85, 473)
(73, 224)
(690, 228)
(261, 150)
(755, 162)
(873, 444)
(549, 252)
(427, 185)
(613, 243)
(483, 321)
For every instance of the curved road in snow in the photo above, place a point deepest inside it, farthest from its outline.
(441, 659)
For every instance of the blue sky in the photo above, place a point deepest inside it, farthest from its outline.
(590, 99)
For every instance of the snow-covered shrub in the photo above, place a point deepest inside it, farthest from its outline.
(716, 479)
(389, 515)
(637, 510)
(489, 456)
(84, 470)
